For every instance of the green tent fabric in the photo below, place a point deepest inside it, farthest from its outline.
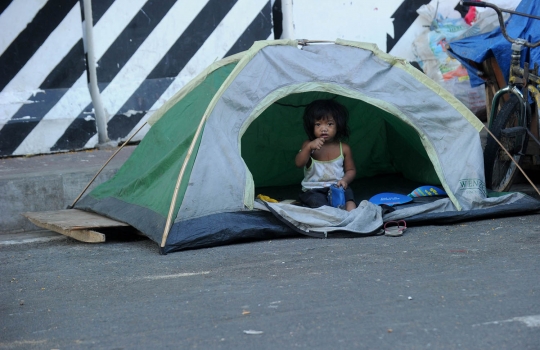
(235, 129)
(148, 177)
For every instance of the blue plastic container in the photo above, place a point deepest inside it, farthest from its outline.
(336, 197)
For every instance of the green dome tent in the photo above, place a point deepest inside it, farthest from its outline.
(233, 132)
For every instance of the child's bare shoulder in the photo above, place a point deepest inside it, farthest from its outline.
(345, 147)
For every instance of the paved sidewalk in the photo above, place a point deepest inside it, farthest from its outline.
(49, 182)
(470, 285)
(37, 236)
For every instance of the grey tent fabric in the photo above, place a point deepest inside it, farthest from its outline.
(277, 71)
(365, 219)
(445, 205)
(368, 218)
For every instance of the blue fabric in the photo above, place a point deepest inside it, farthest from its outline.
(480, 47)
(390, 199)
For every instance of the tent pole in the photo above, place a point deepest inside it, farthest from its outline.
(512, 158)
(179, 181)
(103, 167)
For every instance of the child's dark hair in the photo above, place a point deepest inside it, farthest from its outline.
(321, 109)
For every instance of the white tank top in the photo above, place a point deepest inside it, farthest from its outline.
(323, 173)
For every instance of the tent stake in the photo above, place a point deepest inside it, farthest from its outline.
(513, 160)
(103, 167)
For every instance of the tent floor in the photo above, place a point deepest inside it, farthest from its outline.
(364, 188)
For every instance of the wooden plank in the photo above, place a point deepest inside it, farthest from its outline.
(77, 224)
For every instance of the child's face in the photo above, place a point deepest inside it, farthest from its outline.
(325, 128)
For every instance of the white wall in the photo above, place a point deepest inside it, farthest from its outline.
(359, 20)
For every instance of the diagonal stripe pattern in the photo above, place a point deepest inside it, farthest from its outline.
(145, 52)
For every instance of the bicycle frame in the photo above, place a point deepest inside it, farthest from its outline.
(512, 124)
(501, 20)
(517, 75)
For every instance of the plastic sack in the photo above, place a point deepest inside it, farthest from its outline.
(485, 19)
(430, 49)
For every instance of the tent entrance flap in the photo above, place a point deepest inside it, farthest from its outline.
(381, 143)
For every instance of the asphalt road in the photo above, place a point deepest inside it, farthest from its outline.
(474, 285)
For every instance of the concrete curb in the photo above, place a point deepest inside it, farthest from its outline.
(49, 182)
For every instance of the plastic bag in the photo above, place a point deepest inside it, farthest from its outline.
(336, 196)
(430, 49)
(485, 19)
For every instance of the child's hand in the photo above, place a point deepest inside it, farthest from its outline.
(342, 183)
(316, 144)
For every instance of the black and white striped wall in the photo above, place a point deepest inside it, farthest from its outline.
(145, 51)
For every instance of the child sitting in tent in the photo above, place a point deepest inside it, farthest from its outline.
(326, 160)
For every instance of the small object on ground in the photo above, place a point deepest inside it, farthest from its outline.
(395, 228)
(380, 232)
(251, 331)
(410, 298)
(390, 199)
(266, 198)
(427, 191)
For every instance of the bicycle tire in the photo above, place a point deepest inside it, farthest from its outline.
(500, 171)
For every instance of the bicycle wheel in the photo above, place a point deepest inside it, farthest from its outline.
(499, 168)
